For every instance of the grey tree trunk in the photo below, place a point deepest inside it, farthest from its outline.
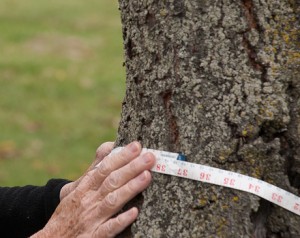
(220, 82)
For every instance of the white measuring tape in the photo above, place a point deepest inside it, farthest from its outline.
(168, 163)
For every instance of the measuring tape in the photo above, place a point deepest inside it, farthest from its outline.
(174, 164)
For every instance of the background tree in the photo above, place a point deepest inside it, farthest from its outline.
(219, 81)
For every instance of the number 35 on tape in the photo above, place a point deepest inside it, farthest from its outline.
(168, 163)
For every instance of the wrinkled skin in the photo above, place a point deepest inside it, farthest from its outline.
(88, 204)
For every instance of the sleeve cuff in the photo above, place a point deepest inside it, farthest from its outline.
(52, 195)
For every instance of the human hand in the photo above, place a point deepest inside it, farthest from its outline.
(100, 194)
(102, 151)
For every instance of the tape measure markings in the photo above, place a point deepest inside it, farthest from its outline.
(167, 163)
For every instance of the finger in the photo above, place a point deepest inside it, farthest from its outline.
(102, 151)
(94, 178)
(115, 200)
(133, 149)
(121, 176)
(67, 189)
(116, 225)
(115, 161)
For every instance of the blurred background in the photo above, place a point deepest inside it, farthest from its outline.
(61, 86)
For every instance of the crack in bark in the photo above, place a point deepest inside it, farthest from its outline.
(289, 148)
(174, 132)
(259, 219)
(151, 20)
(128, 48)
(249, 12)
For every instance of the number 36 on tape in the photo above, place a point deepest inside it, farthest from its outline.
(172, 164)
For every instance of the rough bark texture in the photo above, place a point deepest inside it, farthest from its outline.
(218, 80)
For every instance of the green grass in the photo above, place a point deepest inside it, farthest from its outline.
(61, 86)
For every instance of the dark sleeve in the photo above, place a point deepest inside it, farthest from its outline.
(25, 210)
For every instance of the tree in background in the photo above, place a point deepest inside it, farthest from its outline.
(220, 82)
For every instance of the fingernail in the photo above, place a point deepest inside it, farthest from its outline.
(98, 165)
(142, 176)
(147, 158)
(133, 147)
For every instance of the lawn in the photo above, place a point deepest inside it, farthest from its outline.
(62, 84)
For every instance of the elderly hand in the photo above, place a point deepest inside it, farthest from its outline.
(88, 204)
(102, 151)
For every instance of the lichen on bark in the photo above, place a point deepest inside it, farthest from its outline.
(218, 81)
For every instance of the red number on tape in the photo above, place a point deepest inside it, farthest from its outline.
(254, 188)
(161, 167)
(182, 172)
(297, 207)
(277, 198)
(205, 176)
(228, 181)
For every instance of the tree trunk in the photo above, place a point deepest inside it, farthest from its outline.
(220, 82)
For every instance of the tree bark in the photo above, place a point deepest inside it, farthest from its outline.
(220, 82)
